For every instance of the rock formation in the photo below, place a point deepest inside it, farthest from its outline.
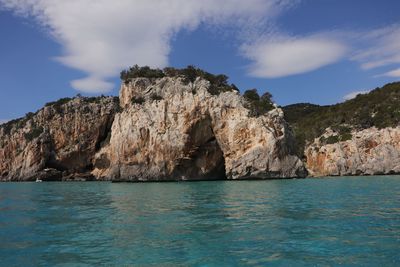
(59, 141)
(162, 129)
(173, 130)
(370, 151)
(181, 127)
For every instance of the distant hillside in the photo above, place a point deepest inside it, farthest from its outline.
(379, 108)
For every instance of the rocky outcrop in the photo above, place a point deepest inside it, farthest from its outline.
(171, 129)
(58, 141)
(370, 151)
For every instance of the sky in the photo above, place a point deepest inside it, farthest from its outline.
(316, 51)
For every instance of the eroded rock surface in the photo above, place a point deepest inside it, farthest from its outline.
(170, 129)
(370, 151)
(159, 129)
(59, 140)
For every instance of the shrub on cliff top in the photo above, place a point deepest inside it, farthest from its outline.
(16, 123)
(218, 83)
(62, 101)
(258, 105)
(7, 127)
(138, 72)
(59, 102)
(21, 122)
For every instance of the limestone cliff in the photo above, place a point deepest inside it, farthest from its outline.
(57, 142)
(356, 137)
(165, 128)
(171, 129)
(370, 151)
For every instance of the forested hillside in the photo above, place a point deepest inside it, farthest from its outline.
(379, 108)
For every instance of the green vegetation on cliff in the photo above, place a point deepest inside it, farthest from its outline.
(379, 108)
(218, 83)
(57, 106)
(258, 104)
(35, 132)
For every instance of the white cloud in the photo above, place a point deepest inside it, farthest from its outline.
(393, 73)
(92, 84)
(102, 37)
(278, 55)
(3, 121)
(283, 56)
(379, 48)
(354, 94)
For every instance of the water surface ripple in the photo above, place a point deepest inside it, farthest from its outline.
(320, 222)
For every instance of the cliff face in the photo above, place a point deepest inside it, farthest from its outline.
(161, 129)
(57, 142)
(173, 130)
(176, 128)
(370, 151)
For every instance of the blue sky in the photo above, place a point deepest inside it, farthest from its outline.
(301, 51)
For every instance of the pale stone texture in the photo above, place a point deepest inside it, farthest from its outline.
(171, 130)
(161, 129)
(370, 151)
(68, 135)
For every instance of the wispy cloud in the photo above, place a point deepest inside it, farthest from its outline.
(393, 73)
(354, 94)
(281, 56)
(379, 48)
(102, 37)
(3, 121)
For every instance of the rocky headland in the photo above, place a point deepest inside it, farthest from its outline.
(360, 136)
(184, 126)
(369, 152)
(57, 142)
(187, 124)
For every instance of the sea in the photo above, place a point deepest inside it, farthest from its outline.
(346, 221)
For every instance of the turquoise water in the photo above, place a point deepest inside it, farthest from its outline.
(347, 221)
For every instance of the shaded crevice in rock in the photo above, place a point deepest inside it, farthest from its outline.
(76, 161)
(204, 159)
(206, 163)
(105, 134)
